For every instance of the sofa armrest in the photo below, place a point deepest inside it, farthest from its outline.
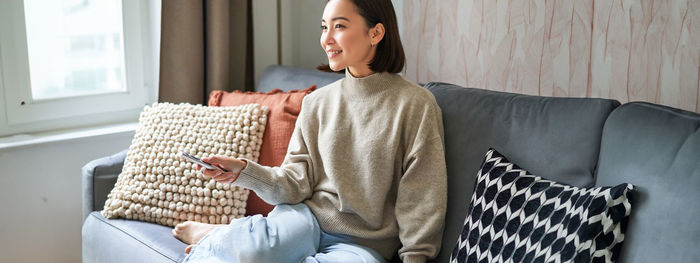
(99, 177)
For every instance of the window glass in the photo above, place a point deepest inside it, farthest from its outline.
(75, 47)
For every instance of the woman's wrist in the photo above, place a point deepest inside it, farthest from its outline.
(242, 163)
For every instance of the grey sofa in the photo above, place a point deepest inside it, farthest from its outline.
(582, 142)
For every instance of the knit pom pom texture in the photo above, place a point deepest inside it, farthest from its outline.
(157, 185)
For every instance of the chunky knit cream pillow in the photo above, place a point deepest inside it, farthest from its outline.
(157, 185)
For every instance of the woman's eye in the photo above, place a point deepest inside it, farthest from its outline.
(339, 26)
(323, 27)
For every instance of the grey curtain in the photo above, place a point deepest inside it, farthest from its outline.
(205, 45)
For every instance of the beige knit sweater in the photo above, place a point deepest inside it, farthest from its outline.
(367, 158)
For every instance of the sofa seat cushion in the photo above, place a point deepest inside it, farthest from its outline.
(656, 148)
(118, 240)
(516, 216)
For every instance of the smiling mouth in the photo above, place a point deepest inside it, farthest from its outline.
(333, 53)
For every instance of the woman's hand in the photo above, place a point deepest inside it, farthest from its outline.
(233, 165)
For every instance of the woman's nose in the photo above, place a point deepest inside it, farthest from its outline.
(327, 37)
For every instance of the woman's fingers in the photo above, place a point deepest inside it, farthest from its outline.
(223, 176)
(232, 165)
(228, 180)
(224, 162)
(209, 173)
(216, 159)
(226, 177)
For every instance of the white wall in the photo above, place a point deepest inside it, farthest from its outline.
(40, 197)
(265, 41)
(398, 8)
(301, 31)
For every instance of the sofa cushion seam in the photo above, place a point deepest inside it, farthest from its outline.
(130, 235)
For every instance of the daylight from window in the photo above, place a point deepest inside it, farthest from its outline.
(75, 47)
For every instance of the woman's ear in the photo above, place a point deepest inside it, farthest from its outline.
(376, 34)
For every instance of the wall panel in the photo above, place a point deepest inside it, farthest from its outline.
(627, 50)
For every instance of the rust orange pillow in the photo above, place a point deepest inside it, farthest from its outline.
(284, 110)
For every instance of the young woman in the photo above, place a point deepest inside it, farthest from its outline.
(364, 174)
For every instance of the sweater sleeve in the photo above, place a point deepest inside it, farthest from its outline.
(422, 194)
(290, 183)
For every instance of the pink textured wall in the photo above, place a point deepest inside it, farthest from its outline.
(631, 50)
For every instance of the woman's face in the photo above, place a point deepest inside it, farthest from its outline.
(346, 38)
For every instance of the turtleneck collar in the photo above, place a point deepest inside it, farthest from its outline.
(369, 85)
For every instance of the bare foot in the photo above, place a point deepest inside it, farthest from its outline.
(191, 232)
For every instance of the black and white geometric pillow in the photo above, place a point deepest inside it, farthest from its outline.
(514, 216)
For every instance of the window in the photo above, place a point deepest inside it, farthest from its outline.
(69, 63)
(69, 57)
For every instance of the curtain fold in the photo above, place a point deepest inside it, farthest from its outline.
(205, 46)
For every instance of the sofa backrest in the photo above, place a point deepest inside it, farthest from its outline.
(556, 138)
(657, 149)
(290, 78)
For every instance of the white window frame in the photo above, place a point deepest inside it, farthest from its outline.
(20, 114)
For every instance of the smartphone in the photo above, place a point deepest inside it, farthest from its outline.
(196, 160)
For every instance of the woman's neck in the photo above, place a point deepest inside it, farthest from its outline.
(360, 72)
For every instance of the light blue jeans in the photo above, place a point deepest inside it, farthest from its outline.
(290, 233)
